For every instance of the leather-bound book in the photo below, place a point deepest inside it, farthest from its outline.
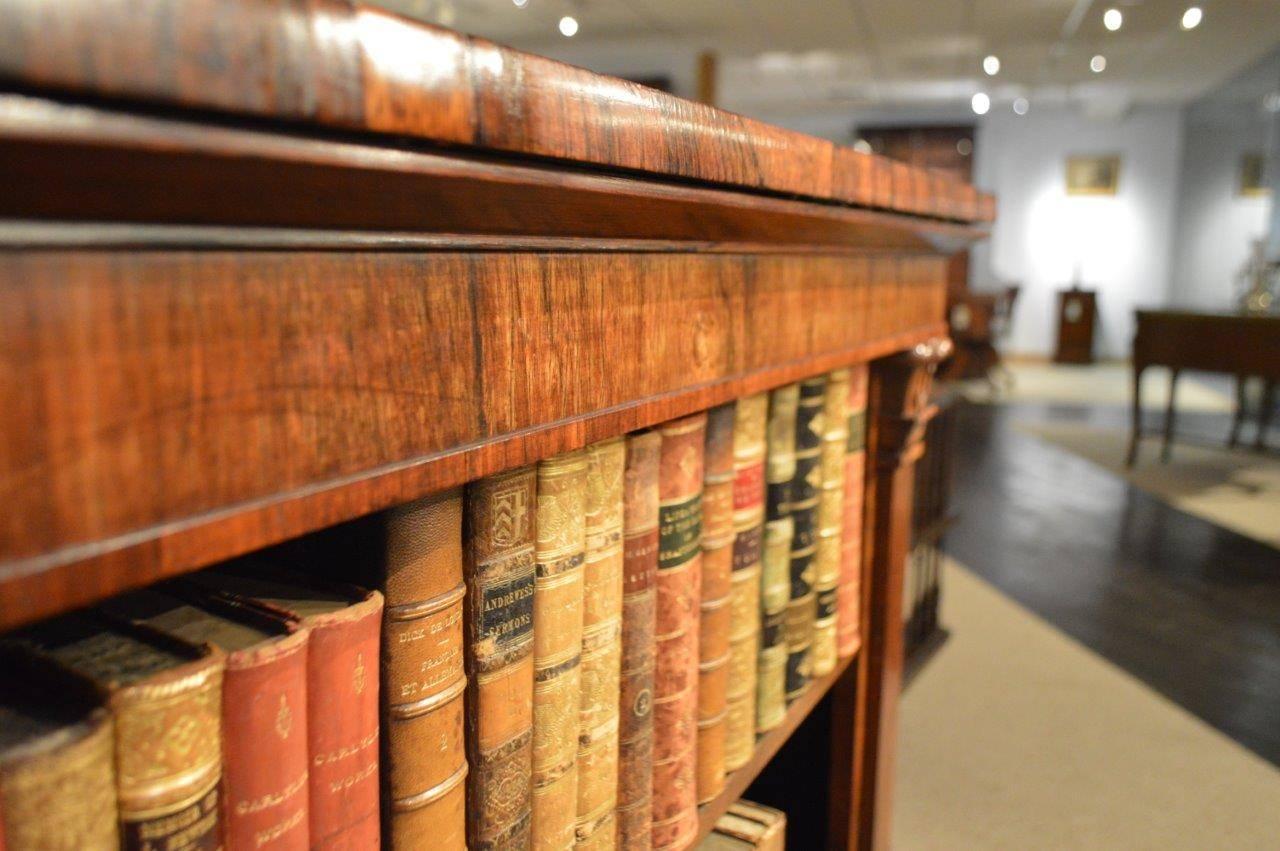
(557, 647)
(166, 697)
(423, 757)
(748, 827)
(265, 790)
(805, 489)
(596, 827)
(675, 689)
(345, 624)
(500, 567)
(849, 592)
(714, 609)
(57, 760)
(639, 601)
(775, 557)
(744, 595)
(826, 559)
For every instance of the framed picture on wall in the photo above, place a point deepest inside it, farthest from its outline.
(1252, 172)
(1093, 175)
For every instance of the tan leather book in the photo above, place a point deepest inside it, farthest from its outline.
(714, 609)
(500, 567)
(826, 560)
(557, 647)
(775, 557)
(805, 489)
(748, 826)
(424, 796)
(639, 603)
(675, 690)
(265, 782)
(596, 827)
(345, 626)
(166, 696)
(849, 592)
(744, 596)
(57, 760)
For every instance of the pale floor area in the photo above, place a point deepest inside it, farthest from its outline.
(1097, 384)
(1016, 737)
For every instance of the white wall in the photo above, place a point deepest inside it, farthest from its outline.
(1119, 245)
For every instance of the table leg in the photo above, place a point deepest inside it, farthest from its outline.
(1264, 415)
(1167, 448)
(1242, 382)
(1135, 419)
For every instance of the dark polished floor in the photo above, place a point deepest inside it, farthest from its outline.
(1189, 608)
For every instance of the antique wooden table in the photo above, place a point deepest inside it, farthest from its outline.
(266, 267)
(1232, 343)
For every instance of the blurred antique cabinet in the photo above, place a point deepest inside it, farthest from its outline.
(1077, 316)
(267, 267)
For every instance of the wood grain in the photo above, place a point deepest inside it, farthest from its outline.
(83, 163)
(164, 410)
(350, 66)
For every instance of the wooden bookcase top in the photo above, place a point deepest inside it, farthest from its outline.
(353, 67)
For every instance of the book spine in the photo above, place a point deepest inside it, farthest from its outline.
(775, 557)
(500, 546)
(169, 758)
(639, 602)
(264, 731)
(805, 487)
(63, 798)
(744, 596)
(342, 726)
(714, 609)
(596, 827)
(557, 647)
(826, 564)
(423, 676)
(849, 592)
(675, 704)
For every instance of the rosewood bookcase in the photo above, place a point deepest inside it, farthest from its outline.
(266, 267)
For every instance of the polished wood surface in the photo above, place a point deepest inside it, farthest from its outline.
(353, 67)
(1235, 344)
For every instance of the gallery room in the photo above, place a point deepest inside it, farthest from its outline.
(639, 424)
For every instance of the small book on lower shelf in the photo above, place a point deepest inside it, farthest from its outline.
(746, 826)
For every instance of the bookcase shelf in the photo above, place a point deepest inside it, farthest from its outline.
(249, 300)
(768, 745)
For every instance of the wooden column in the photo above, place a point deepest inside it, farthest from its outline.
(866, 703)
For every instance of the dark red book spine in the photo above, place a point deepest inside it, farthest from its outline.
(342, 726)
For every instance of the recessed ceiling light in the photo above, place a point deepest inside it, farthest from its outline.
(1098, 64)
(862, 146)
(1021, 105)
(568, 26)
(1192, 18)
(980, 103)
(1271, 103)
(520, 4)
(1112, 19)
(991, 65)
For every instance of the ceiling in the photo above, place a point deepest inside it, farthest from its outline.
(780, 58)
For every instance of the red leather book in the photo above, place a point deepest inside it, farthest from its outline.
(849, 593)
(639, 600)
(342, 691)
(679, 582)
(264, 707)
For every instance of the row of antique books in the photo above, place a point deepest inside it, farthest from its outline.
(572, 654)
